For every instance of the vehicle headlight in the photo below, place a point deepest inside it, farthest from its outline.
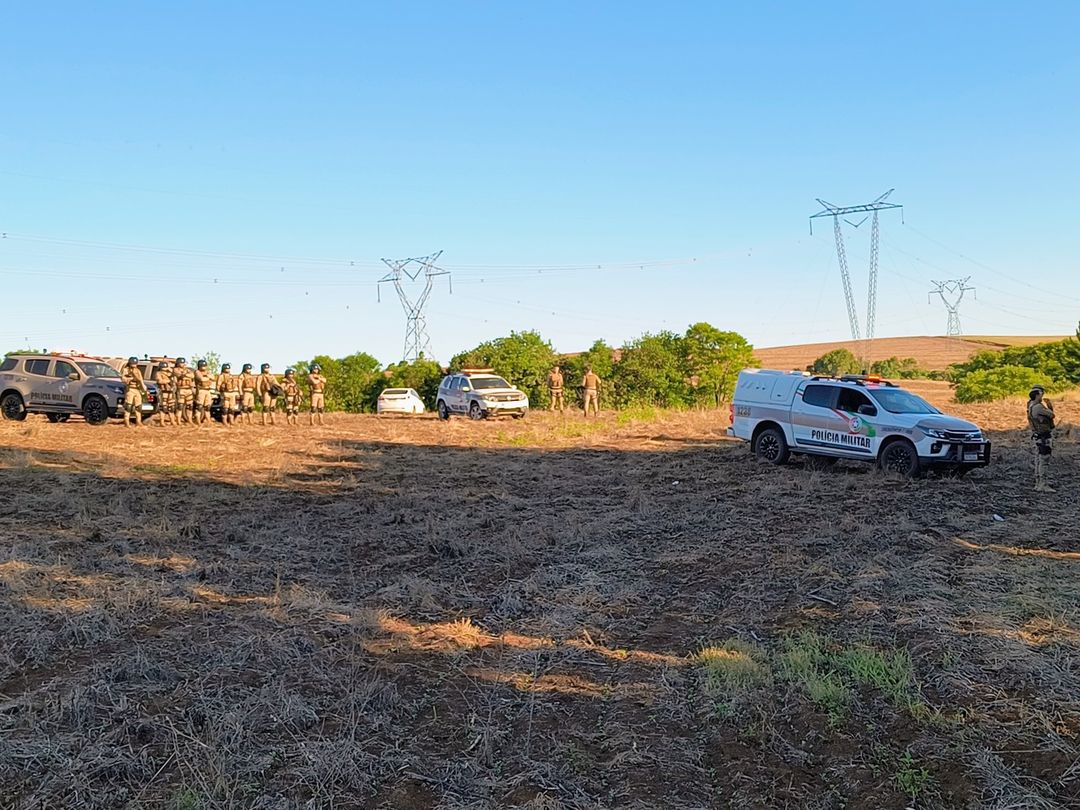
(934, 433)
(116, 389)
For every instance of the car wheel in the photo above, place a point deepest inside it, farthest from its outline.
(95, 410)
(900, 458)
(12, 407)
(444, 412)
(475, 412)
(57, 417)
(771, 446)
(519, 416)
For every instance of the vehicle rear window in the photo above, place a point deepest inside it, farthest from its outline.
(395, 391)
(8, 364)
(37, 367)
(819, 395)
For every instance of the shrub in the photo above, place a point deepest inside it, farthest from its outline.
(836, 362)
(997, 383)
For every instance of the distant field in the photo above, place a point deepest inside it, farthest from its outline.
(932, 352)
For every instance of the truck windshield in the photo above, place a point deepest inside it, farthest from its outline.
(98, 370)
(897, 401)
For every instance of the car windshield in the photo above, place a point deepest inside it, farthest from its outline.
(480, 383)
(98, 370)
(895, 400)
(395, 391)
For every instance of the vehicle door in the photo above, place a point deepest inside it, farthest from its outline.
(462, 388)
(42, 386)
(814, 420)
(860, 415)
(63, 385)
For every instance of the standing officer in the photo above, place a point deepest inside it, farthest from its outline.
(269, 390)
(134, 388)
(166, 381)
(248, 384)
(292, 397)
(318, 387)
(591, 384)
(229, 387)
(555, 389)
(1040, 413)
(184, 378)
(204, 394)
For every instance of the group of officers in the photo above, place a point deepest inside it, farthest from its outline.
(186, 394)
(590, 385)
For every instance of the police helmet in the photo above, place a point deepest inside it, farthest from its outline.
(163, 364)
(181, 361)
(247, 366)
(264, 367)
(225, 366)
(289, 372)
(316, 367)
(202, 364)
(133, 360)
(1036, 389)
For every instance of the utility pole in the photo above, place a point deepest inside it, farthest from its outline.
(837, 211)
(417, 343)
(951, 292)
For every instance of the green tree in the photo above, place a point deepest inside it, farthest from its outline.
(651, 371)
(713, 361)
(422, 375)
(836, 363)
(351, 382)
(986, 385)
(895, 368)
(523, 358)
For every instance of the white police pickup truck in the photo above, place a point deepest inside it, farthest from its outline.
(851, 417)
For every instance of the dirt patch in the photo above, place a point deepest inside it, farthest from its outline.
(410, 614)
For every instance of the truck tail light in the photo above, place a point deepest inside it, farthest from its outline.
(731, 413)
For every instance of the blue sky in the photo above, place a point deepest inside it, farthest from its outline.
(228, 176)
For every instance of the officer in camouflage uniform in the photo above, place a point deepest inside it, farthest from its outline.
(318, 397)
(166, 381)
(555, 389)
(248, 385)
(591, 384)
(184, 378)
(291, 389)
(134, 388)
(1040, 413)
(229, 387)
(204, 392)
(269, 389)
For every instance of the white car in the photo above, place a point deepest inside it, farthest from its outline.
(851, 417)
(479, 393)
(399, 400)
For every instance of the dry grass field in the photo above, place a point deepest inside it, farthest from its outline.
(934, 353)
(630, 613)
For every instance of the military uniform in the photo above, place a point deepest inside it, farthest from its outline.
(134, 388)
(292, 398)
(591, 384)
(267, 388)
(166, 382)
(204, 394)
(1040, 413)
(228, 384)
(555, 389)
(248, 384)
(318, 399)
(184, 378)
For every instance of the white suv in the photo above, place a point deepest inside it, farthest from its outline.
(479, 394)
(853, 417)
(59, 385)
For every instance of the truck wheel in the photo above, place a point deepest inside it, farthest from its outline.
(444, 412)
(474, 411)
(900, 458)
(12, 407)
(771, 446)
(95, 410)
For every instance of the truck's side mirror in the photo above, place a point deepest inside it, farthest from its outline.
(74, 376)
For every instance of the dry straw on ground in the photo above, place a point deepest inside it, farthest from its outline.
(546, 614)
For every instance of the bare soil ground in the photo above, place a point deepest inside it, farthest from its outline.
(392, 613)
(934, 353)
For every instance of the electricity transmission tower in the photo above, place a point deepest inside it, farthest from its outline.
(951, 292)
(417, 343)
(836, 212)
